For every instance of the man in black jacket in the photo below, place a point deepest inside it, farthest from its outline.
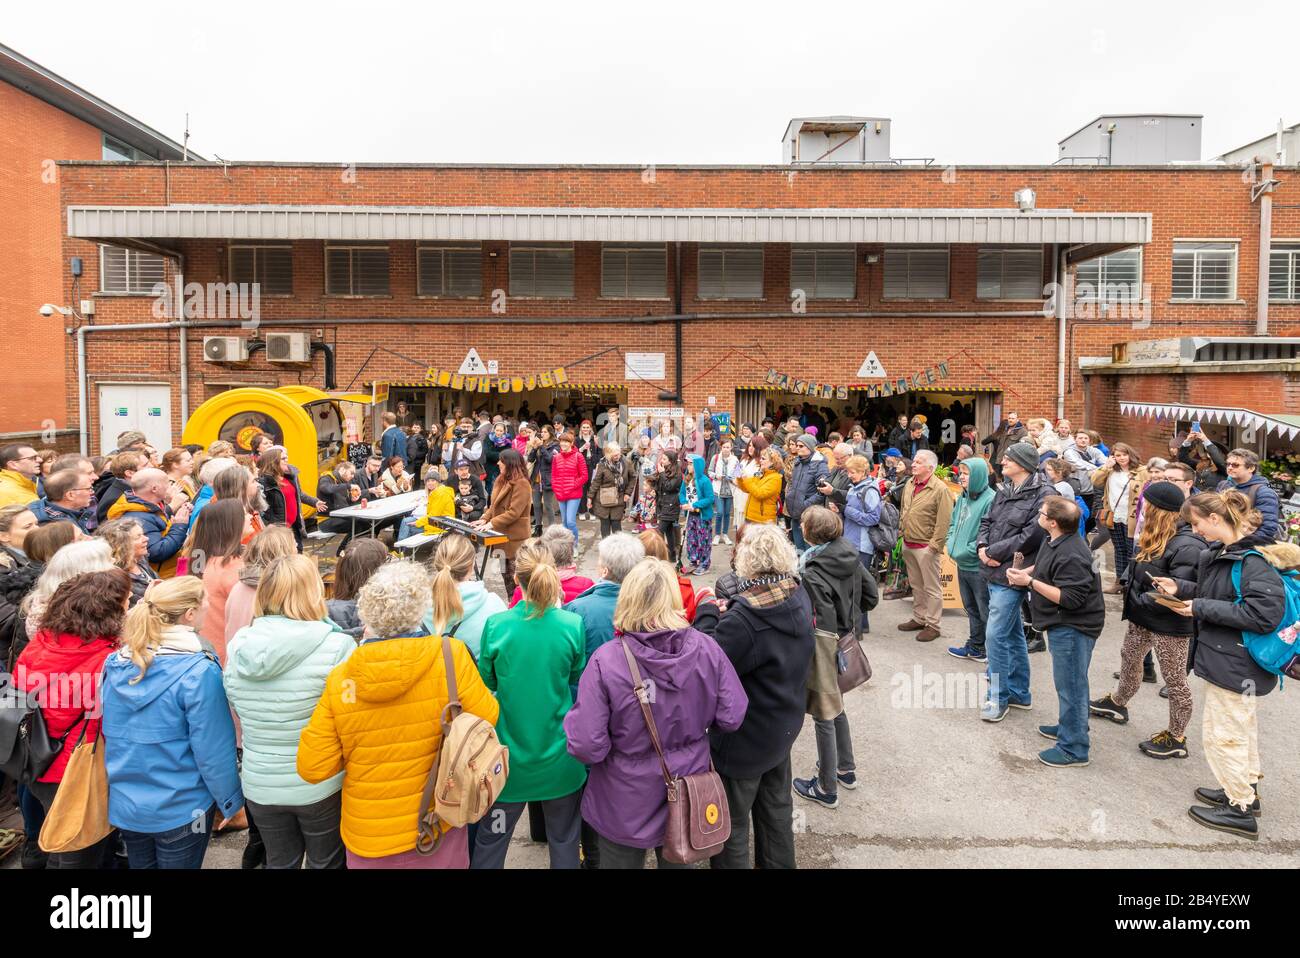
(1009, 528)
(1068, 606)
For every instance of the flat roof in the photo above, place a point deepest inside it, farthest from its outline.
(1131, 116)
(34, 79)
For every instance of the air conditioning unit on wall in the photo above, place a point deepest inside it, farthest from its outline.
(225, 349)
(288, 347)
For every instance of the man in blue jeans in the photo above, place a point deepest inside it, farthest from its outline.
(1010, 528)
(1066, 602)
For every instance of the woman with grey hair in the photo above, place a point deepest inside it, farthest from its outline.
(767, 633)
(559, 543)
(378, 722)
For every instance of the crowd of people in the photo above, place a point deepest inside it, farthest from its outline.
(236, 688)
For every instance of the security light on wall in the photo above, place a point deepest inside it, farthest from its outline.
(49, 309)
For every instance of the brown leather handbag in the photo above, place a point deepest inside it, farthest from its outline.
(699, 819)
(851, 659)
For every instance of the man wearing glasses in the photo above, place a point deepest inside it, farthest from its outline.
(19, 466)
(1242, 465)
(67, 499)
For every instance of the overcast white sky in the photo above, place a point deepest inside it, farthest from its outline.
(662, 82)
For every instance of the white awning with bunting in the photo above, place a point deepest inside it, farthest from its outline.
(1282, 425)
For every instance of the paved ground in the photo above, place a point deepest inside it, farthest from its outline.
(940, 788)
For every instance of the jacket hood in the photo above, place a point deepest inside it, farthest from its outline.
(838, 561)
(129, 503)
(383, 669)
(473, 596)
(164, 671)
(273, 645)
(66, 653)
(250, 575)
(663, 655)
(979, 476)
(603, 588)
(1281, 555)
(700, 468)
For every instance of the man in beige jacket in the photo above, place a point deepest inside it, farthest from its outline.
(923, 522)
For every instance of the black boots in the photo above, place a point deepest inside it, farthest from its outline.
(1226, 818)
(1217, 796)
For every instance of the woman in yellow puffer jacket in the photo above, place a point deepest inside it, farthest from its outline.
(764, 489)
(378, 723)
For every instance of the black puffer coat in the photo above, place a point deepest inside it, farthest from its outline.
(1180, 560)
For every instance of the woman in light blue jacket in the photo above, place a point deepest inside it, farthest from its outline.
(169, 740)
(276, 669)
(861, 507)
(461, 604)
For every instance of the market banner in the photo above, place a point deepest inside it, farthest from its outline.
(549, 379)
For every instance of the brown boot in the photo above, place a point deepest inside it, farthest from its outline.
(911, 625)
(927, 634)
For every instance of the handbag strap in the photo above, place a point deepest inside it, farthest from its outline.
(429, 834)
(453, 707)
(643, 696)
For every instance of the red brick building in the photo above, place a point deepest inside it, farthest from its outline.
(391, 271)
(43, 119)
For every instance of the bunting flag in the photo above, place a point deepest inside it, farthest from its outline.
(890, 387)
(548, 379)
(1222, 416)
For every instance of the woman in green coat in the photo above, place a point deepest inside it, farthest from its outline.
(530, 656)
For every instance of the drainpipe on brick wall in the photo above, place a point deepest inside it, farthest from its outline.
(1061, 279)
(1265, 245)
(184, 341)
(83, 413)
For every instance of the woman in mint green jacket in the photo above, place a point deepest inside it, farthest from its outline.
(963, 531)
(462, 605)
(530, 656)
(276, 669)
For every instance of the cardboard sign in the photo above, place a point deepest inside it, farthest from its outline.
(948, 580)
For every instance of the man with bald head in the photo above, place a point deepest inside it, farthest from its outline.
(147, 504)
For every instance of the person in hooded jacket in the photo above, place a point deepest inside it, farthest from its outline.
(1238, 589)
(275, 674)
(170, 742)
(378, 723)
(618, 473)
(963, 534)
(696, 688)
(696, 499)
(832, 575)
(1166, 547)
(417, 449)
(462, 605)
(165, 529)
(801, 491)
(79, 630)
(667, 486)
(116, 482)
(767, 634)
(1243, 476)
(67, 499)
(273, 542)
(541, 450)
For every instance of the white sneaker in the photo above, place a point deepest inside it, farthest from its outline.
(717, 540)
(727, 540)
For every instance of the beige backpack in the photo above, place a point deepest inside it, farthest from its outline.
(469, 772)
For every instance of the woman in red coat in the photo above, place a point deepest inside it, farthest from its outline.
(568, 477)
(63, 664)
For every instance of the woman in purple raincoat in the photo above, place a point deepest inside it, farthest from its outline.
(693, 687)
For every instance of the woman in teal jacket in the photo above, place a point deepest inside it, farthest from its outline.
(276, 669)
(530, 656)
(169, 740)
(462, 605)
(963, 531)
(696, 499)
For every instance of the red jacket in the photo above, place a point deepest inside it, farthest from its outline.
(570, 589)
(69, 671)
(568, 475)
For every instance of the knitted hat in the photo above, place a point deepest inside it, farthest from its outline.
(1164, 495)
(1024, 455)
(808, 439)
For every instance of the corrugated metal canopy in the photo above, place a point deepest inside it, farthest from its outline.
(567, 224)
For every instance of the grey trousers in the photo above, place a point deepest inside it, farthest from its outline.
(834, 751)
(615, 856)
(768, 799)
(292, 832)
(563, 826)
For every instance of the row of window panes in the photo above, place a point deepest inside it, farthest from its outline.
(1201, 271)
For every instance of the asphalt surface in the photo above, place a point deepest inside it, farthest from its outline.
(937, 787)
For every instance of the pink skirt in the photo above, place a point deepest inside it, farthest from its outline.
(452, 852)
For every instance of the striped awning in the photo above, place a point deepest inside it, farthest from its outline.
(1284, 424)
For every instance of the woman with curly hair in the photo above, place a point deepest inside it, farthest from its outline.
(130, 553)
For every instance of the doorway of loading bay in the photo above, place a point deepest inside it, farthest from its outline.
(432, 406)
(945, 411)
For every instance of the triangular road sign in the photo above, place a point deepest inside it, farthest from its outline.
(871, 367)
(472, 364)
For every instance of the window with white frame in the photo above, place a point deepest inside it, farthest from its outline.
(271, 267)
(123, 270)
(730, 272)
(356, 270)
(828, 272)
(1114, 278)
(1013, 273)
(916, 272)
(634, 272)
(455, 272)
(542, 271)
(1284, 272)
(1205, 270)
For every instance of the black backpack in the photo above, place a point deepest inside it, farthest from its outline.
(884, 534)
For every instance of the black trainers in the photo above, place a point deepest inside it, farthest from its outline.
(1226, 818)
(1037, 643)
(1164, 691)
(1217, 796)
(808, 788)
(1164, 745)
(1107, 707)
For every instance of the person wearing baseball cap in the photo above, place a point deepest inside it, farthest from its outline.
(1010, 529)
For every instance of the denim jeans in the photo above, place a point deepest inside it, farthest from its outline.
(290, 831)
(975, 597)
(796, 535)
(569, 509)
(834, 751)
(181, 847)
(563, 827)
(546, 512)
(408, 528)
(1004, 636)
(1071, 652)
(722, 506)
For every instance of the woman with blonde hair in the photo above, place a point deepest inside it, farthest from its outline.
(274, 678)
(379, 723)
(1119, 483)
(764, 488)
(696, 688)
(462, 605)
(530, 657)
(270, 544)
(170, 753)
(130, 553)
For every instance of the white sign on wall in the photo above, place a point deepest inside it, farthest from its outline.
(656, 412)
(643, 366)
(871, 367)
(472, 365)
(494, 367)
